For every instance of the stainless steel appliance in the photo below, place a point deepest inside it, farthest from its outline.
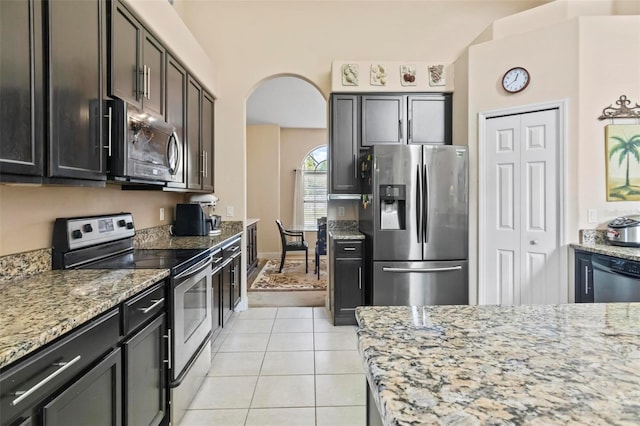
(208, 203)
(615, 279)
(142, 148)
(106, 242)
(414, 215)
(624, 231)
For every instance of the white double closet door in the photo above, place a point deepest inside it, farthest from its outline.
(520, 244)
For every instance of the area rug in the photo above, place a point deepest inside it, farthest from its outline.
(292, 277)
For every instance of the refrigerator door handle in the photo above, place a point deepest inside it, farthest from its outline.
(447, 269)
(426, 201)
(418, 204)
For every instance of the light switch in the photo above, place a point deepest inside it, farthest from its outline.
(592, 216)
(161, 213)
(230, 211)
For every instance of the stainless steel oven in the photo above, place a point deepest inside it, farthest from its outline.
(192, 314)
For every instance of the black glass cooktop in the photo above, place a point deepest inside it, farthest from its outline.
(176, 260)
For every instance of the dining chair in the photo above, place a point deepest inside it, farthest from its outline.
(321, 242)
(292, 241)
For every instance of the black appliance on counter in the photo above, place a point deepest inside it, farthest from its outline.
(191, 221)
(142, 148)
(106, 242)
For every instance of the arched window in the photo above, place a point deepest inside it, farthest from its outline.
(314, 184)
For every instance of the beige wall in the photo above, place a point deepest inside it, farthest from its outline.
(247, 48)
(27, 213)
(272, 155)
(584, 61)
(263, 184)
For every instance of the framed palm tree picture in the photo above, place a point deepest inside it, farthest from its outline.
(623, 162)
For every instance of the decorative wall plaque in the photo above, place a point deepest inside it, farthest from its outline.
(408, 75)
(436, 75)
(350, 74)
(378, 75)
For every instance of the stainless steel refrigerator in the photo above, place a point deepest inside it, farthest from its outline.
(414, 213)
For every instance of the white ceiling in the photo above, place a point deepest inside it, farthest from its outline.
(287, 102)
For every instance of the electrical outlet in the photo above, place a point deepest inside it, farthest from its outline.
(230, 211)
(161, 213)
(341, 211)
(592, 216)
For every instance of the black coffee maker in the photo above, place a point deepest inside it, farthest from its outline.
(191, 220)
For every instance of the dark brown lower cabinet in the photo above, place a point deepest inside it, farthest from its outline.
(94, 399)
(145, 375)
(346, 290)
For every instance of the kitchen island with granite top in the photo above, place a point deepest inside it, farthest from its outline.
(530, 364)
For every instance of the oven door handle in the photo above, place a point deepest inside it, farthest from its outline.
(198, 267)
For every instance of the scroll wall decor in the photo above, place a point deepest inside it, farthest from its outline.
(622, 144)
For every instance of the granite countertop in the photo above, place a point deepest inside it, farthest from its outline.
(631, 253)
(341, 234)
(532, 364)
(39, 308)
(204, 242)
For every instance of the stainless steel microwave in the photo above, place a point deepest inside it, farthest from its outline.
(142, 148)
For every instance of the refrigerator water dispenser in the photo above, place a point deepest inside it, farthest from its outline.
(392, 206)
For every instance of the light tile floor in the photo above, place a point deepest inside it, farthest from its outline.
(284, 367)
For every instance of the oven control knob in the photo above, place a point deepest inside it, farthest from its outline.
(87, 228)
(76, 234)
(122, 223)
(129, 225)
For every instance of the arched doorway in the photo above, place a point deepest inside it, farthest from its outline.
(286, 120)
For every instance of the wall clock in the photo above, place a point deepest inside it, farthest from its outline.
(515, 80)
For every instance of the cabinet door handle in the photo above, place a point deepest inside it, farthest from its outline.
(586, 279)
(155, 303)
(202, 168)
(400, 130)
(349, 249)
(360, 277)
(149, 83)
(168, 337)
(409, 130)
(206, 164)
(108, 146)
(355, 167)
(143, 92)
(21, 395)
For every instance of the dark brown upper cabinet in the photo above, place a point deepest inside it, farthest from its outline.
(406, 119)
(137, 62)
(176, 98)
(21, 91)
(200, 138)
(76, 70)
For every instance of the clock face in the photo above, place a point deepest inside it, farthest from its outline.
(515, 80)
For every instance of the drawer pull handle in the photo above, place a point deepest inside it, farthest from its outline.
(349, 249)
(217, 260)
(234, 248)
(155, 303)
(21, 395)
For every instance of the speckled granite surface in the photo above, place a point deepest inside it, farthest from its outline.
(168, 241)
(346, 235)
(24, 264)
(342, 225)
(37, 309)
(472, 365)
(631, 253)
